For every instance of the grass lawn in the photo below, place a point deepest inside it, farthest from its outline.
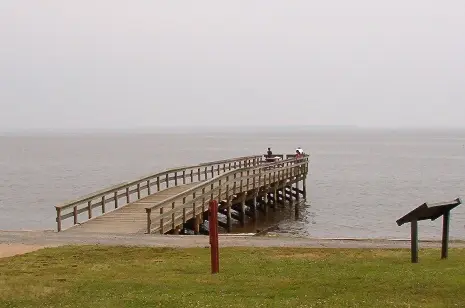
(99, 276)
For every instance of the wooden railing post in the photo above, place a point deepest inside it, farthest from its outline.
(173, 216)
(206, 175)
(75, 215)
(158, 183)
(149, 220)
(198, 175)
(213, 172)
(89, 209)
(253, 179)
(115, 196)
(167, 179)
(183, 210)
(194, 214)
(58, 219)
(103, 204)
(234, 184)
(127, 195)
(161, 221)
(242, 181)
(184, 177)
(203, 201)
(175, 179)
(138, 191)
(192, 175)
(149, 189)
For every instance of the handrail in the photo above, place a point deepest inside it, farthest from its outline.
(219, 177)
(231, 181)
(145, 178)
(112, 194)
(267, 167)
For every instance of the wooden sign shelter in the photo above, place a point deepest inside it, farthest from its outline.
(429, 211)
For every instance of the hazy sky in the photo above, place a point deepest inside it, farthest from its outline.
(117, 64)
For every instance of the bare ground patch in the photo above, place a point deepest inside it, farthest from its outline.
(8, 250)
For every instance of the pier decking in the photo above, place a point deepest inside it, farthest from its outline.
(169, 201)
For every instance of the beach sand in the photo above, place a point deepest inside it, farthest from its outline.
(13, 249)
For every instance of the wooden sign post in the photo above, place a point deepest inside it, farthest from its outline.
(424, 212)
(213, 226)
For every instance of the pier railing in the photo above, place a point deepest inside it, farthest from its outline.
(96, 204)
(187, 205)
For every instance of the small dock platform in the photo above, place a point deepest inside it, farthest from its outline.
(178, 198)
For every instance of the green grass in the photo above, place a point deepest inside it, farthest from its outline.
(96, 276)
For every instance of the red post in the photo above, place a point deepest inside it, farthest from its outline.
(213, 225)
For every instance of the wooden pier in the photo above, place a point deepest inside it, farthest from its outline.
(178, 198)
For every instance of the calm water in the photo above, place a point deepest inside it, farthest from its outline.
(360, 181)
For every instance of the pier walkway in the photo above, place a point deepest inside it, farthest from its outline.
(178, 198)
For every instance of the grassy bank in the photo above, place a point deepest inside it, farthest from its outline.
(95, 276)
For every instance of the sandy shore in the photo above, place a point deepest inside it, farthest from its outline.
(8, 250)
(18, 242)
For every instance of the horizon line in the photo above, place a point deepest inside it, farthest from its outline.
(218, 127)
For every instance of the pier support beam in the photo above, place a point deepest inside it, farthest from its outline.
(228, 217)
(254, 207)
(284, 193)
(271, 200)
(297, 185)
(197, 225)
(275, 197)
(242, 211)
(296, 210)
(265, 204)
(304, 188)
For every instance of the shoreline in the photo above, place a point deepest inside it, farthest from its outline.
(19, 242)
(49, 233)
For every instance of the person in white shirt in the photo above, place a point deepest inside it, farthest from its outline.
(299, 150)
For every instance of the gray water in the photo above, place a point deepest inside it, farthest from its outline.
(360, 181)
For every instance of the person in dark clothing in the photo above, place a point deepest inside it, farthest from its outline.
(269, 153)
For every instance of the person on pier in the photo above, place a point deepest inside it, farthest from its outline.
(269, 153)
(269, 156)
